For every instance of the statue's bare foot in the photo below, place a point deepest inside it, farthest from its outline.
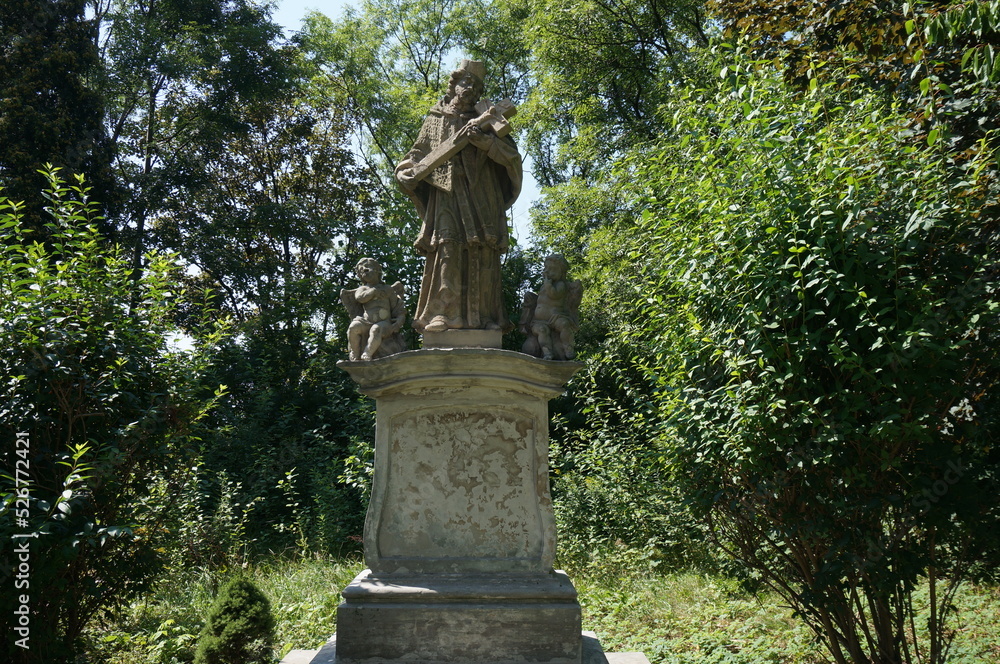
(365, 357)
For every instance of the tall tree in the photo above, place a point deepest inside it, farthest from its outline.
(601, 69)
(272, 213)
(384, 65)
(49, 109)
(175, 69)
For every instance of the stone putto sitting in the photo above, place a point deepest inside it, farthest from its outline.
(551, 317)
(378, 314)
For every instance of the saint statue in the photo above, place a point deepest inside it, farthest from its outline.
(463, 173)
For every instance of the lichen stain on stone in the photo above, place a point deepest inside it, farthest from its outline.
(473, 474)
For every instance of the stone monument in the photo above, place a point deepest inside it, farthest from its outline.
(462, 174)
(460, 534)
(377, 314)
(551, 316)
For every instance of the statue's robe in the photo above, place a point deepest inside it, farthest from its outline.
(463, 205)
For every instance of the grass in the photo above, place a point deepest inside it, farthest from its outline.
(682, 618)
(674, 619)
(691, 617)
(163, 627)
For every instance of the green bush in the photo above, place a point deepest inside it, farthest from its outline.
(284, 432)
(826, 327)
(611, 485)
(98, 417)
(239, 628)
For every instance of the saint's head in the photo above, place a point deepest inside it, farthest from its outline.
(465, 86)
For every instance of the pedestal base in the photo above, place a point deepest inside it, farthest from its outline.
(436, 619)
(460, 533)
(463, 339)
(461, 461)
(592, 654)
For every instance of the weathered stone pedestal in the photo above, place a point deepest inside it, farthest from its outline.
(460, 534)
(459, 618)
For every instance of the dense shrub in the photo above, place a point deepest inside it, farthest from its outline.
(827, 331)
(612, 489)
(273, 462)
(239, 628)
(97, 419)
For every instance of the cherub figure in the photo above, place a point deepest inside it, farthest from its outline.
(550, 317)
(378, 314)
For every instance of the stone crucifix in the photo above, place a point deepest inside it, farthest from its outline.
(493, 117)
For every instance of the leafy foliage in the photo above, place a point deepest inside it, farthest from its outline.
(274, 214)
(176, 75)
(974, 26)
(600, 73)
(110, 414)
(935, 57)
(601, 68)
(272, 470)
(825, 324)
(613, 492)
(50, 111)
(251, 179)
(274, 221)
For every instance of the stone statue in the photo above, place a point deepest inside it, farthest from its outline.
(378, 314)
(463, 173)
(550, 317)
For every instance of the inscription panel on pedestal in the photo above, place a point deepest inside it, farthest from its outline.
(462, 483)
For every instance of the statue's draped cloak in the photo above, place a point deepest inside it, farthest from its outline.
(463, 205)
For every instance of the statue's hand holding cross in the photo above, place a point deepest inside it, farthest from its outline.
(492, 119)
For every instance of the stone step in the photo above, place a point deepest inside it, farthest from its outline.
(592, 654)
(325, 655)
(626, 658)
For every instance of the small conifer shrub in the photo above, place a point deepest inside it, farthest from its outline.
(239, 628)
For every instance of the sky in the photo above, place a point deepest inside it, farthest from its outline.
(289, 15)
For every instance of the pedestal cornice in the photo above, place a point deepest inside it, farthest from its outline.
(461, 367)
